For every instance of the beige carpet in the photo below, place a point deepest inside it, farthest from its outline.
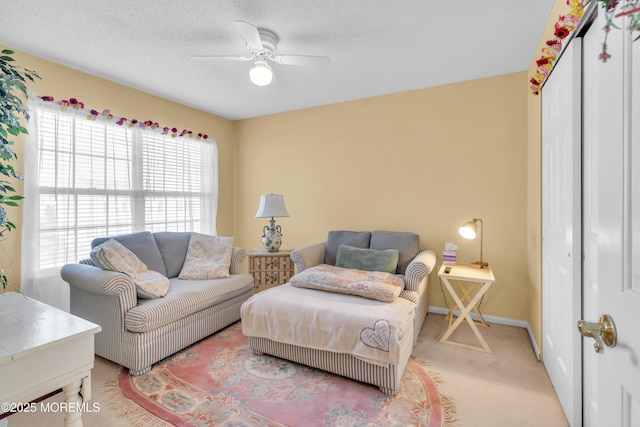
(506, 388)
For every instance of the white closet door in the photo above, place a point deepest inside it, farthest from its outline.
(612, 225)
(561, 229)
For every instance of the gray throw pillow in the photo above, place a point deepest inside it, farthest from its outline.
(358, 239)
(407, 244)
(367, 259)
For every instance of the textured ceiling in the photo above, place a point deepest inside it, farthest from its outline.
(376, 47)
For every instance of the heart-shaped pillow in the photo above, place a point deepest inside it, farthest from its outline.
(378, 336)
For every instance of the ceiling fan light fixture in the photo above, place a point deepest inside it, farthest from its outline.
(261, 74)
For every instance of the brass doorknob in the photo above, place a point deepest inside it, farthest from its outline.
(603, 332)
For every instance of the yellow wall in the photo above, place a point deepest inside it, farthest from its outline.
(423, 161)
(64, 83)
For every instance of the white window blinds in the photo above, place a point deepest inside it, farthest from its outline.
(94, 178)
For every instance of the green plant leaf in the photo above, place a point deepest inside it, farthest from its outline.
(13, 81)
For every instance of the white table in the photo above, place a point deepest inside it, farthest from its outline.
(468, 279)
(43, 349)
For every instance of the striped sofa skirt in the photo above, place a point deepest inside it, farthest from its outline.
(387, 378)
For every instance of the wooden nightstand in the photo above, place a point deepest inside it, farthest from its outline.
(472, 284)
(270, 269)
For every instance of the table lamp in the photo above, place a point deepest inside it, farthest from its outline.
(272, 206)
(469, 230)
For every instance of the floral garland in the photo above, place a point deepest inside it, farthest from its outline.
(123, 121)
(567, 24)
(630, 8)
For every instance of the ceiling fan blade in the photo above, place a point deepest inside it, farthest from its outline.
(250, 34)
(302, 60)
(220, 58)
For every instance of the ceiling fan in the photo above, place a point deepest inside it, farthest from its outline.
(262, 45)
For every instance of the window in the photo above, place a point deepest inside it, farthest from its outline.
(94, 178)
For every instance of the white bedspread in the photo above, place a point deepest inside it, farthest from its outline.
(368, 329)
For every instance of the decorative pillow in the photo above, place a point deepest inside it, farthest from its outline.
(113, 255)
(375, 285)
(367, 259)
(143, 245)
(208, 257)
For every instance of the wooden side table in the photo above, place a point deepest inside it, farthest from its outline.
(43, 349)
(270, 269)
(467, 280)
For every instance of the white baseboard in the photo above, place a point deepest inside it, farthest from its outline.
(536, 350)
(496, 319)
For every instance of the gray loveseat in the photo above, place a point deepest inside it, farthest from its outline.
(137, 333)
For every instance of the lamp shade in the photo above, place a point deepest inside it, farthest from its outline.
(468, 230)
(272, 206)
(261, 74)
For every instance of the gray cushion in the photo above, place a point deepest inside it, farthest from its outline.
(407, 244)
(143, 245)
(358, 239)
(173, 247)
(367, 259)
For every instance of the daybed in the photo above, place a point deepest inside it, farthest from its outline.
(136, 331)
(360, 337)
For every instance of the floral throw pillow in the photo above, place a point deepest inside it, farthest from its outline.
(208, 257)
(113, 255)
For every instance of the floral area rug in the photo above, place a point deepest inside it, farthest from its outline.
(220, 382)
